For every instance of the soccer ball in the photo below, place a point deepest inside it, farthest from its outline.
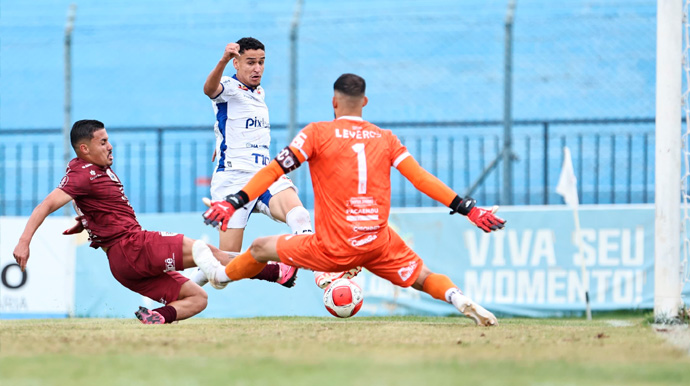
(343, 298)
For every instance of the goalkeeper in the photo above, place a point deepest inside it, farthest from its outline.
(350, 161)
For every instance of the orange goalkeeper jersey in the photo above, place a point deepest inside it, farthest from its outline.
(350, 163)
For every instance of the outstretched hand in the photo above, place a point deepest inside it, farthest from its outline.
(218, 214)
(485, 219)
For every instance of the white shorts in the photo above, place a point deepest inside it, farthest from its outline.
(228, 182)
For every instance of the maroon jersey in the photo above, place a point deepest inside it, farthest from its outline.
(100, 199)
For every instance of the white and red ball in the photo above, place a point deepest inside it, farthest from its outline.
(343, 298)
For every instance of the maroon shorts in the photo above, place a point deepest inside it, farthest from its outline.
(146, 263)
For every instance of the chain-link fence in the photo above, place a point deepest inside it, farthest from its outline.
(169, 169)
(582, 72)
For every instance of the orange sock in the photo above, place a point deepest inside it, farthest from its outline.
(437, 285)
(243, 266)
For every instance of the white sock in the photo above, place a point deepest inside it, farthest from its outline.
(299, 221)
(199, 277)
(221, 276)
(451, 292)
(457, 299)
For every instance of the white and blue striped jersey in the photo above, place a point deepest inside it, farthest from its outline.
(242, 127)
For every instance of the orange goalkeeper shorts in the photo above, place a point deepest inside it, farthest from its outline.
(395, 261)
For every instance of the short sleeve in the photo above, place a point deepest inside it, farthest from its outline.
(305, 141)
(398, 151)
(76, 183)
(228, 90)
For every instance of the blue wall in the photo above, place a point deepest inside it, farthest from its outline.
(144, 63)
(531, 268)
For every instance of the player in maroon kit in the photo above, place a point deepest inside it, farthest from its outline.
(145, 262)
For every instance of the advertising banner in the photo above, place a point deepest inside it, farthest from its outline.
(46, 288)
(531, 268)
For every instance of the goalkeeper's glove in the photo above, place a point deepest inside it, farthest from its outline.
(482, 218)
(78, 228)
(220, 212)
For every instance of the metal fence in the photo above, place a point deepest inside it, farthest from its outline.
(168, 169)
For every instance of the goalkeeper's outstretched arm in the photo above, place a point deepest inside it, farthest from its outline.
(430, 185)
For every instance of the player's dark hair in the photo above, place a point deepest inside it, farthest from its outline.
(83, 130)
(250, 44)
(350, 84)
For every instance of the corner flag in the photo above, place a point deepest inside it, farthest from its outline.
(567, 182)
(567, 187)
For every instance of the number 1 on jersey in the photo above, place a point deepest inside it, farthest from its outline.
(362, 167)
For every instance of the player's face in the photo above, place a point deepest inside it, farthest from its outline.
(100, 149)
(250, 67)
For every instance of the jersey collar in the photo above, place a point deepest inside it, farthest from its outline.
(249, 87)
(351, 118)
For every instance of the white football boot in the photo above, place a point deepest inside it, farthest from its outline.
(207, 263)
(480, 315)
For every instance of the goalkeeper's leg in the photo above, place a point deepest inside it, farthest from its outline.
(442, 288)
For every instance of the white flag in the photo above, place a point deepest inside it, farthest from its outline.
(567, 182)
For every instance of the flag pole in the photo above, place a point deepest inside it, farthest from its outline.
(567, 187)
(583, 268)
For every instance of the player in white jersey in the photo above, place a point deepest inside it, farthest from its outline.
(242, 146)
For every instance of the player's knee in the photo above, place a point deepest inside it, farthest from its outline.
(257, 248)
(260, 249)
(423, 275)
(200, 301)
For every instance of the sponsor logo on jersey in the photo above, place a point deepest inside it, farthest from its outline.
(242, 87)
(63, 182)
(406, 272)
(361, 202)
(255, 146)
(359, 241)
(356, 134)
(86, 166)
(261, 159)
(111, 175)
(170, 264)
(256, 122)
(167, 234)
(372, 228)
(357, 211)
(298, 142)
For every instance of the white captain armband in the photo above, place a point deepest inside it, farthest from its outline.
(287, 160)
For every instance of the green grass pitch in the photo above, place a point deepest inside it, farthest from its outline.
(328, 351)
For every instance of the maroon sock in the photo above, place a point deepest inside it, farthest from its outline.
(269, 273)
(168, 312)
